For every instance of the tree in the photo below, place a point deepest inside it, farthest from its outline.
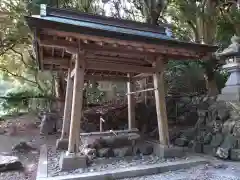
(199, 20)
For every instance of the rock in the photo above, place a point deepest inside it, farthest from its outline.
(97, 144)
(217, 139)
(10, 163)
(143, 148)
(105, 152)
(207, 149)
(235, 154)
(181, 142)
(197, 147)
(228, 126)
(12, 131)
(2, 131)
(223, 114)
(228, 143)
(49, 123)
(222, 153)
(23, 147)
(236, 129)
(221, 166)
(217, 126)
(207, 138)
(89, 152)
(122, 152)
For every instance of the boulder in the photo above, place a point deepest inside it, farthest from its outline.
(49, 123)
(224, 150)
(235, 154)
(10, 163)
(217, 126)
(89, 152)
(228, 126)
(143, 148)
(208, 149)
(222, 153)
(217, 139)
(2, 131)
(105, 152)
(23, 147)
(122, 152)
(223, 114)
(181, 142)
(197, 147)
(236, 129)
(207, 138)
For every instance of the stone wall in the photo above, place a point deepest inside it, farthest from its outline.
(217, 131)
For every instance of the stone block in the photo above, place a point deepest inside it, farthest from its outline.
(217, 139)
(235, 154)
(143, 148)
(197, 147)
(181, 142)
(62, 144)
(207, 149)
(122, 152)
(105, 152)
(70, 162)
(168, 152)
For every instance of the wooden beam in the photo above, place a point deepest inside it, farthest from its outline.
(131, 103)
(158, 81)
(136, 61)
(73, 73)
(57, 61)
(141, 76)
(77, 103)
(67, 107)
(106, 78)
(163, 49)
(120, 68)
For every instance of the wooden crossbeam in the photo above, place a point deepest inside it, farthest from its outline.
(119, 68)
(141, 76)
(72, 73)
(72, 47)
(106, 78)
(64, 62)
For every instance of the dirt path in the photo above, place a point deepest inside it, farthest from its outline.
(27, 131)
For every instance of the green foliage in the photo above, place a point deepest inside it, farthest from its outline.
(17, 98)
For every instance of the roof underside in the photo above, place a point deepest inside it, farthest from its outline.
(106, 44)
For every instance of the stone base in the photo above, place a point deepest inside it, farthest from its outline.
(168, 152)
(72, 161)
(62, 144)
(235, 154)
(229, 97)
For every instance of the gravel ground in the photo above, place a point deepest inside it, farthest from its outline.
(54, 170)
(28, 132)
(202, 172)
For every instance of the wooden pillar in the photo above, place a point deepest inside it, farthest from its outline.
(76, 114)
(143, 85)
(67, 106)
(131, 103)
(158, 81)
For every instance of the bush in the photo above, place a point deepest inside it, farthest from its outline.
(17, 99)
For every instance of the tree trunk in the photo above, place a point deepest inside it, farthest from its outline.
(211, 84)
(60, 87)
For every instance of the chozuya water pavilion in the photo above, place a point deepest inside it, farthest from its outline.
(102, 48)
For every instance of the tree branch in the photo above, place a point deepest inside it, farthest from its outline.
(16, 75)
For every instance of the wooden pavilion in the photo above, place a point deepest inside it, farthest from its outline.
(89, 46)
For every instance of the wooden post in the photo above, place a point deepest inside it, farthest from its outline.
(158, 81)
(131, 103)
(67, 106)
(76, 114)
